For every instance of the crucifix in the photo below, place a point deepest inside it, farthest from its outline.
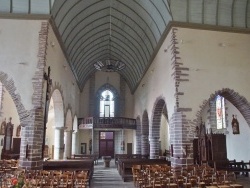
(48, 89)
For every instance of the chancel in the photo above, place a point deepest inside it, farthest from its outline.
(111, 93)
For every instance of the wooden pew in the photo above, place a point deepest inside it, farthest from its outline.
(126, 156)
(125, 166)
(86, 156)
(71, 165)
(233, 166)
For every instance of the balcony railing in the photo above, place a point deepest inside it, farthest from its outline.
(107, 122)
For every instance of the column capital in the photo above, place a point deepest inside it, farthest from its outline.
(154, 138)
(59, 128)
(70, 131)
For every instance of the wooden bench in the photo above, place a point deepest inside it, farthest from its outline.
(231, 166)
(126, 156)
(71, 165)
(86, 156)
(125, 166)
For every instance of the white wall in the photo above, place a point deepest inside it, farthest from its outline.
(84, 137)
(237, 144)
(18, 54)
(62, 75)
(215, 60)
(157, 82)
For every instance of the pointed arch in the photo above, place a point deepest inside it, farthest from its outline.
(154, 130)
(58, 108)
(240, 102)
(116, 95)
(59, 124)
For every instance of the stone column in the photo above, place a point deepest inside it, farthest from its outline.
(138, 143)
(59, 143)
(67, 143)
(74, 143)
(180, 140)
(144, 145)
(154, 147)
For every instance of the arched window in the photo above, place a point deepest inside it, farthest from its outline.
(220, 112)
(107, 104)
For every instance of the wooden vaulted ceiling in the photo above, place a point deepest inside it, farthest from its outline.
(95, 30)
(130, 31)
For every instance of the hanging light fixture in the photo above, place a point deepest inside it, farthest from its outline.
(109, 65)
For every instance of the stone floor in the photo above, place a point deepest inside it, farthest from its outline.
(105, 177)
(108, 177)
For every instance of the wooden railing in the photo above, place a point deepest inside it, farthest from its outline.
(107, 122)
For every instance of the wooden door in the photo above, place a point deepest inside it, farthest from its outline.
(106, 144)
(129, 148)
(16, 145)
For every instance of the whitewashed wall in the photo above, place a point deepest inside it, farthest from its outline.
(216, 60)
(18, 54)
(237, 144)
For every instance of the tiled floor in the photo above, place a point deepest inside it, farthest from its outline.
(109, 178)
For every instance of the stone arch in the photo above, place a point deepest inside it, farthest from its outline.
(58, 108)
(26, 121)
(145, 135)
(154, 130)
(138, 135)
(11, 88)
(59, 124)
(111, 88)
(235, 98)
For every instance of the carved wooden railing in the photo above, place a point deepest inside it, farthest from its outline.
(107, 122)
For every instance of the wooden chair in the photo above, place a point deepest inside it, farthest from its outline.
(63, 181)
(81, 180)
(135, 172)
(70, 175)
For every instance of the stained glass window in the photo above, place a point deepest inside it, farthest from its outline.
(220, 112)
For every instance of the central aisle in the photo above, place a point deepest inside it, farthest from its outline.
(108, 177)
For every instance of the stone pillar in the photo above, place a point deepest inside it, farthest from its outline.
(67, 143)
(180, 140)
(74, 143)
(59, 142)
(144, 145)
(138, 143)
(154, 147)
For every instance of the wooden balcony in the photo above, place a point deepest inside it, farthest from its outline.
(106, 123)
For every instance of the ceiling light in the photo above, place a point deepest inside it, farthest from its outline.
(109, 65)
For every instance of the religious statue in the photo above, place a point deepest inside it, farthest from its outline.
(3, 127)
(18, 130)
(235, 125)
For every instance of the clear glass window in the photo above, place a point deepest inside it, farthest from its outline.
(107, 105)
